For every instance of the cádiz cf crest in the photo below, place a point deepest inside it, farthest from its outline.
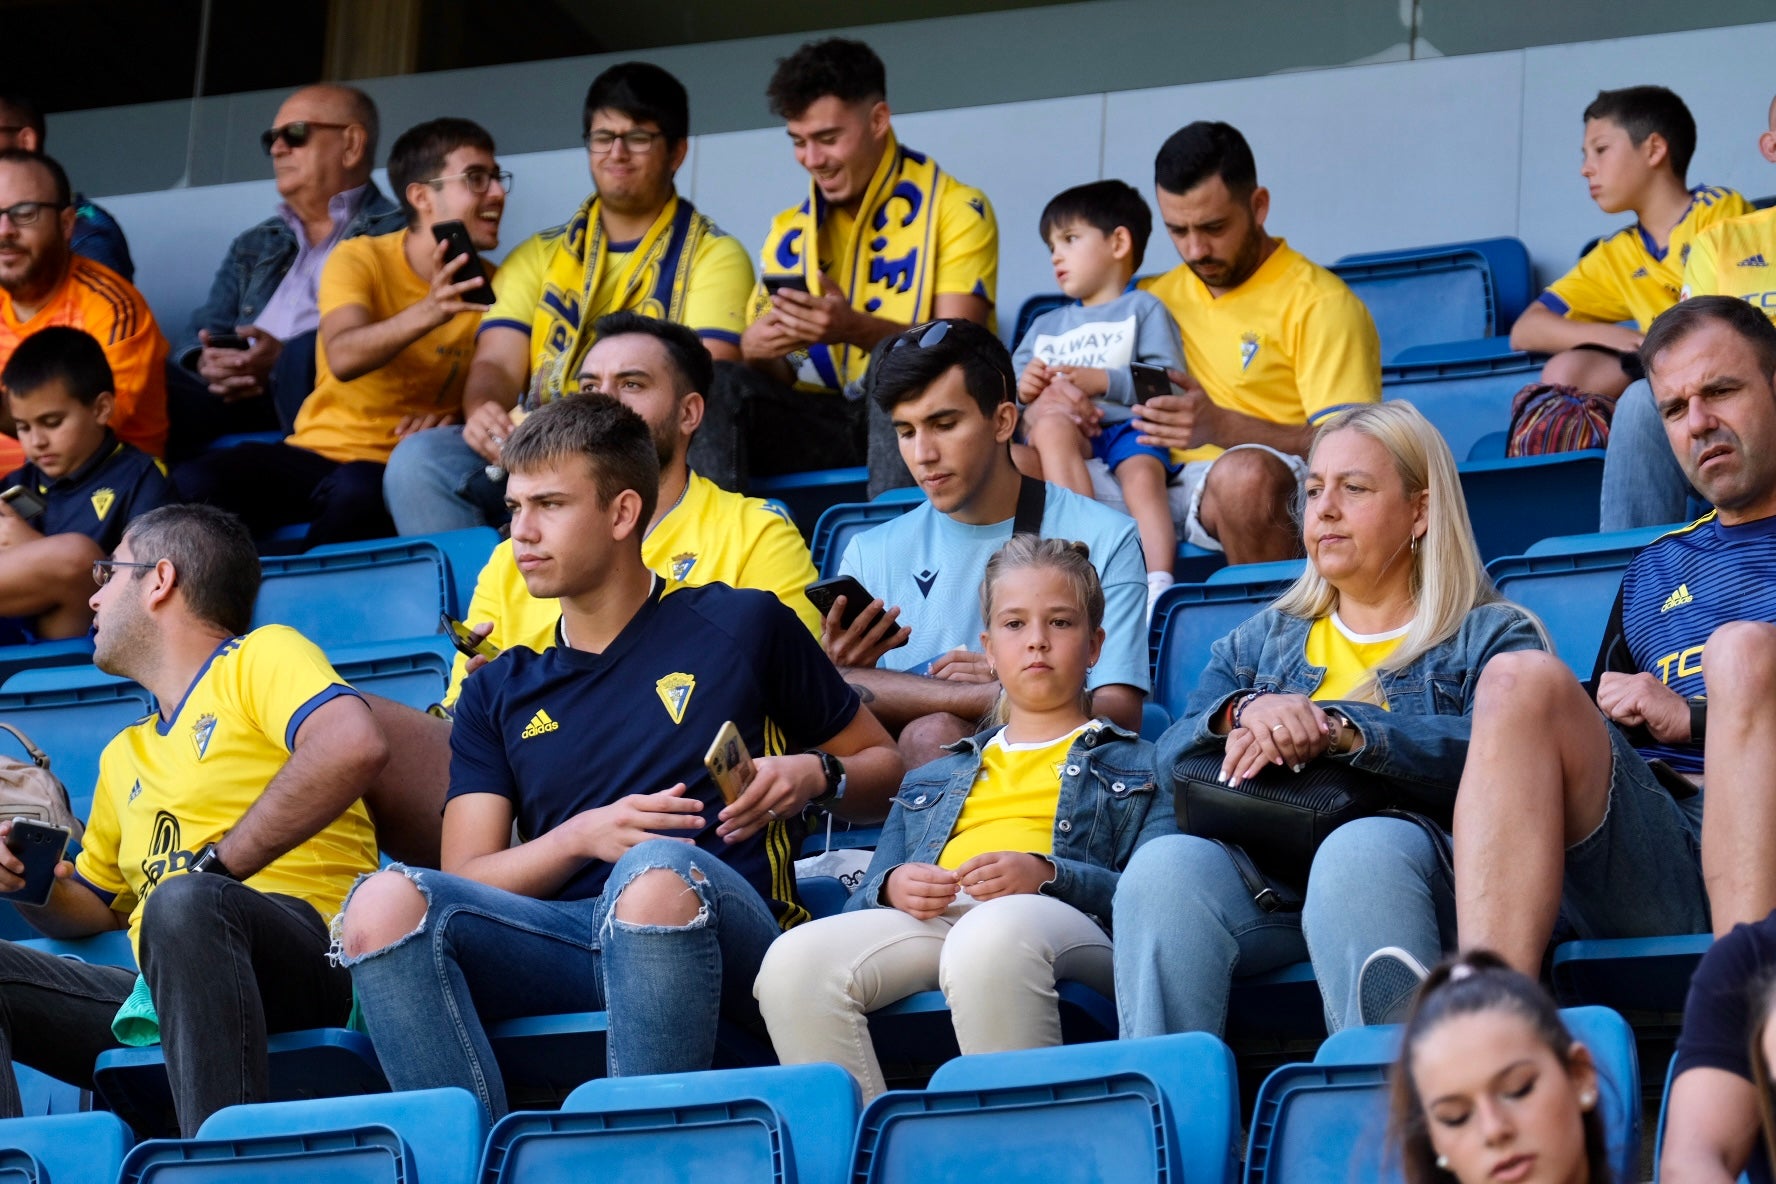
(201, 731)
(682, 564)
(1248, 349)
(102, 501)
(675, 692)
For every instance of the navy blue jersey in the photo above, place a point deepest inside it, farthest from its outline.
(1674, 594)
(566, 731)
(118, 483)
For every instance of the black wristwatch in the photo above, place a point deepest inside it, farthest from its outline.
(209, 862)
(835, 777)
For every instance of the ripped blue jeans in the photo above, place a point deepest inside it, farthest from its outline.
(482, 955)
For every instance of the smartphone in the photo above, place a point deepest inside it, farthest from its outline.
(39, 847)
(777, 283)
(457, 235)
(729, 763)
(24, 501)
(230, 341)
(1150, 381)
(824, 593)
(465, 641)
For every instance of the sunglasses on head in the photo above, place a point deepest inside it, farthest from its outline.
(296, 133)
(929, 334)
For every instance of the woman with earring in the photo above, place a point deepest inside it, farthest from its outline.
(1369, 660)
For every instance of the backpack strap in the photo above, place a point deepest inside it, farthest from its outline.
(1032, 500)
(38, 756)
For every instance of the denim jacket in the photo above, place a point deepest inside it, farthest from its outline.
(1420, 742)
(1108, 807)
(255, 266)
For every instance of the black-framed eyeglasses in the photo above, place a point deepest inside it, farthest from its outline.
(103, 569)
(477, 180)
(26, 213)
(296, 133)
(636, 140)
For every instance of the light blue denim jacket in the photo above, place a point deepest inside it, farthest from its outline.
(1108, 807)
(1420, 741)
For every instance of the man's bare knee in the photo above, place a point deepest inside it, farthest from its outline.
(382, 910)
(1523, 681)
(659, 896)
(924, 739)
(1588, 370)
(1740, 657)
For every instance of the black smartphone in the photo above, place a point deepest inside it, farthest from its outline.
(39, 847)
(24, 501)
(230, 341)
(1150, 381)
(465, 641)
(777, 283)
(457, 235)
(824, 593)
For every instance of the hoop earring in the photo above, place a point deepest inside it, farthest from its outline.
(1415, 546)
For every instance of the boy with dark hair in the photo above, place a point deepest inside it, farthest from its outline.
(1637, 147)
(1097, 235)
(58, 390)
(397, 333)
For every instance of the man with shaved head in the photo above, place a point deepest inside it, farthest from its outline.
(322, 145)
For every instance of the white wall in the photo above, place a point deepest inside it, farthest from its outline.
(1358, 158)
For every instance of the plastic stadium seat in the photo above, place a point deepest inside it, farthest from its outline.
(791, 1124)
(429, 1136)
(1630, 974)
(1507, 260)
(413, 672)
(915, 1035)
(1187, 620)
(1163, 1108)
(58, 678)
(1154, 721)
(1282, 571)
(1477, 349)
(839, 524)
(1464, 399)
(823, 896)
(1282, 1004)
(101, 949)
(75, 651)
(63, 1148)
(465, 553)
(544, 1058)
(356, 593)
(1570, 583)
(808, 495)
(1321, 1122)
(1422, 296)
(72, 725)
(221, 442)
(1519, 501)
(1035, 306)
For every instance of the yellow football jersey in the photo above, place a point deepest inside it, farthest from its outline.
(1625, 277)
(1290, 345)
(711, 536)
(1736, 258)
(1012, 804)
(1346, 657)
(167, 786)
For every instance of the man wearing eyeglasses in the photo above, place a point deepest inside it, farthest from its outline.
(322, 145)
(96, 233)
(634, 245)
(398, 321)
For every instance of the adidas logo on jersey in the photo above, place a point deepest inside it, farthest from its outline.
(1753, 261)
(1677, 599)
(539, 724)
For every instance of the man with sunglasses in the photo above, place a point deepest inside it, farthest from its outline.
(398, 321)
(634, 245)
(322, 145)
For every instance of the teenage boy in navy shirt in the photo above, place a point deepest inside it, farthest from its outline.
(634, 889)
(59, 391)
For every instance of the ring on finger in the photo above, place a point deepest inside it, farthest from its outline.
(1275, 728)
(772, 813)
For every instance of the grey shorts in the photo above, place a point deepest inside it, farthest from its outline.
(1186, 490)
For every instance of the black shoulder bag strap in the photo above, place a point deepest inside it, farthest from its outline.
(1032, 500)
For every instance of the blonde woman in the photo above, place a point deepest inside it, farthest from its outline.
(1369, 660)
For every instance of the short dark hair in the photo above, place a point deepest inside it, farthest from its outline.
(645, 93)
(213, 555)
(1642, 110)
(618, 443)
(420, 152)
(24, 110)
(903, 366)
(848, 70)
(695, 369)
(57, 174)
(1204, 149)
(1681, 320)
(71, 356)
(1104, 205)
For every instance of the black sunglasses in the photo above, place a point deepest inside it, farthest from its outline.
(295, 133)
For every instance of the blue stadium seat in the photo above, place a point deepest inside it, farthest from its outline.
(808, 495)
(465, 553)
(1154, 721)
(1321, 1122)
(822, 896)
(1282, 571)
(1570, 583)
(57, 678)
(101, 949)
(914, 1035)
(221, 442)
(429, 1136)
(791, 1124)
(1193, 564)
(1422, 296)
(1187, 620)
(1507, 261)
(1113, 1111)
(1278, 1005)
(1522, 500)
(414, 672)
(356, 593)
(839, 524)
(544, 1058)
(72, 725)
(1464, 399)
(63, 1148)
(76, 651)
(1630, 974)
(1034, 307)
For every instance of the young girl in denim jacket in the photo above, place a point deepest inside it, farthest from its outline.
(996, 869)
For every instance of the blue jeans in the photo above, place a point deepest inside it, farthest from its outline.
(1643, 485)
(482, 955)
(434, 482)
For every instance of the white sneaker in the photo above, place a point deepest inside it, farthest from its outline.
(1386, 983)
(1157, 582)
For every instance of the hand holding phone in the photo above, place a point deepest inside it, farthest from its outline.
(778, 283)
(729, 763)
(466, 641)
(24, 501)
(228, 341)
(1150, 381)
(825, 593)
(456, 236)
(39, 847)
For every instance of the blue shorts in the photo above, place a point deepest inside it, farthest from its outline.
(1119, 441)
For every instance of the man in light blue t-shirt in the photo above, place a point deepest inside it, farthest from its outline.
(949, 389)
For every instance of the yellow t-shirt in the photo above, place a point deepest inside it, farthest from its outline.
(711, 536)
(168, 787)
(1290, 345)
(1348, 657)
(1736, 258)
(347, 421)
(715, 292)
(1012, 804)
(1626, 278)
